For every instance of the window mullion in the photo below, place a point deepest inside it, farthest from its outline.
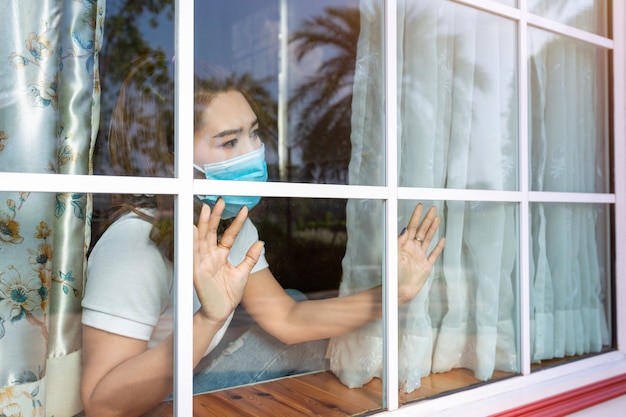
(390, 287)
(184, 73)
(524, 210)
(619, 155)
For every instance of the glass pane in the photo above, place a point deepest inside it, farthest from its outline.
(295, 63)
(136, 136)
(568, 114)
(307, 255)
(589, 15)
(570, 291)
(129, 303)
(458, 98)
(462, 328)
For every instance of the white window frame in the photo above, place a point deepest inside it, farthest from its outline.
(528, 387)
(531, 387)
(483, 400)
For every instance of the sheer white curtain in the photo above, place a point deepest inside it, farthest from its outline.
(456, 99)
(568, 142)
(457, 128)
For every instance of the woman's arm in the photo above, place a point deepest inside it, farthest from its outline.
(121, 376)
(293, 322)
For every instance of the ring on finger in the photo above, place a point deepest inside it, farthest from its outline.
(419, 239)
(221, 245)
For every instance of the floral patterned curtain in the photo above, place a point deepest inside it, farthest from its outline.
(49, 113)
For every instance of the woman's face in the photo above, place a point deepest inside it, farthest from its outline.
(228, 128)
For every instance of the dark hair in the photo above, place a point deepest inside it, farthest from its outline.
(206, 89)
(141, 143)
(141, 136)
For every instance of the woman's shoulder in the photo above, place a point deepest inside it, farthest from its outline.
(125, 249)
(247, 235)
(127, 232)
(130, 223)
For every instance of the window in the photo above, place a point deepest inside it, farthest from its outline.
(506, 116)
(480, 119)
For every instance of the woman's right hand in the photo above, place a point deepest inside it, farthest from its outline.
(219, 284)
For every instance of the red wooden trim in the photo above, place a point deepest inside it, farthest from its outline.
(572, 401)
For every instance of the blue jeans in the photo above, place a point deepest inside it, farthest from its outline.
(252, 355)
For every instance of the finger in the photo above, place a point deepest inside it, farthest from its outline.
(424, 226)
(230, 234)
(252, 257)
(198, 248)
(195, 235)
(203, 222)
(203, 242)
(214, 221)
(402, 237)
(432, 257)
(432, 229)
(414, 222)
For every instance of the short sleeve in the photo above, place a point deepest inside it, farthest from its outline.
(247, 236)
(128, 281)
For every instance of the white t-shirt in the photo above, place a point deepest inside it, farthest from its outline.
(129, 288)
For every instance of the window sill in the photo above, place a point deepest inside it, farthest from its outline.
(555, 391)
(539, 389)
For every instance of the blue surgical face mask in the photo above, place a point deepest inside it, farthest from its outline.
(247, 167)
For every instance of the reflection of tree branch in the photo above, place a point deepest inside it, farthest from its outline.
(124, 40)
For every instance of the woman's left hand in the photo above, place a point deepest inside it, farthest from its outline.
(414, 261)
(219, 284)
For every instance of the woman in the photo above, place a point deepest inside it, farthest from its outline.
(127, 319)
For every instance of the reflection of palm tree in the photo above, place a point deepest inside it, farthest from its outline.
(323, 102)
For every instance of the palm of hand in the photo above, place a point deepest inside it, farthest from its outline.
(414, 263)
(413, 269)
(219, 284)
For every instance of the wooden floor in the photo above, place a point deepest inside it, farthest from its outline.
(317, 394)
